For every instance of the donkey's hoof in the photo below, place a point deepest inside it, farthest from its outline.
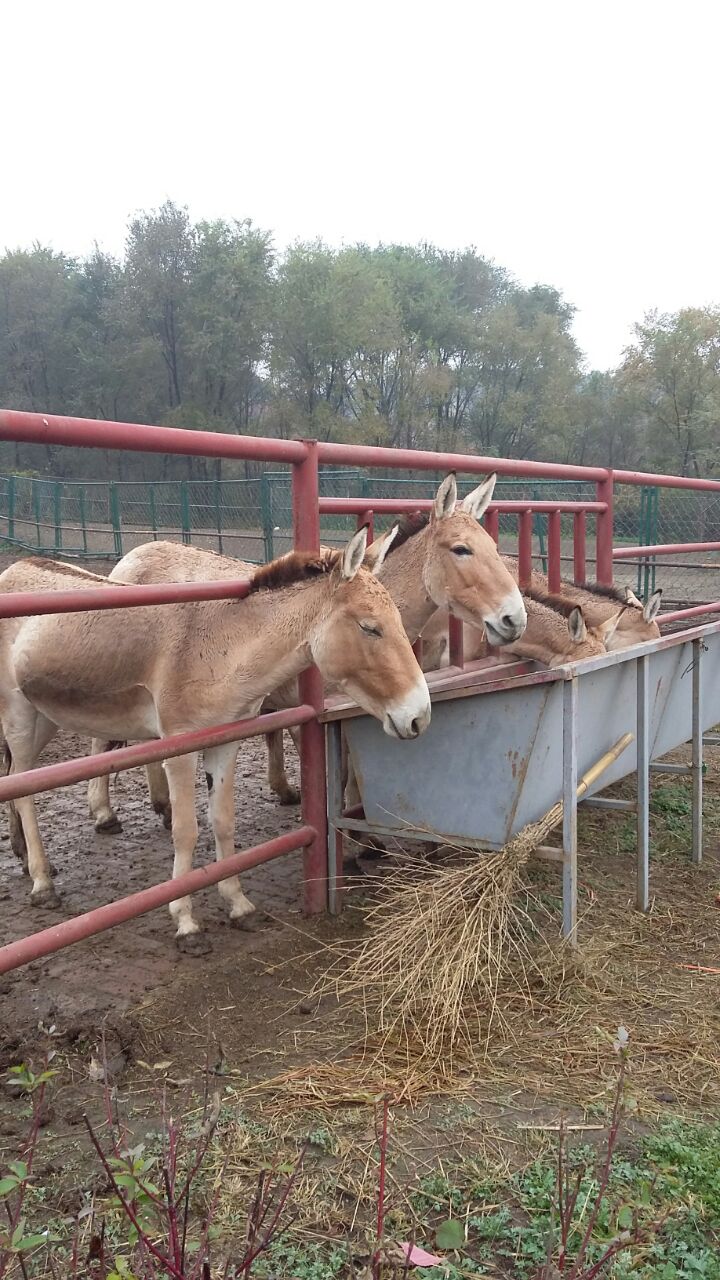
(109, 826)
(372, 852)
(249, 923)
(163, 809)
(289, 795)
(194, 944)
(46, 897)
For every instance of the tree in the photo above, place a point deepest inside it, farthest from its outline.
(672, 372)
(227, 321)
(160, 258)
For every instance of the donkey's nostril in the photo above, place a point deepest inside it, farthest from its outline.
(415, 728)
(508, 622)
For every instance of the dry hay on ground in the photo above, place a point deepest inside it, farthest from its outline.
(502, 1006)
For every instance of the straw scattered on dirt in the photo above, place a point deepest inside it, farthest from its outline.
(461, 981)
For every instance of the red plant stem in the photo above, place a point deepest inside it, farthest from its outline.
(247, 1262)
(172, 1219)
(605, 1178)
(382, 1142)
(128, 1209)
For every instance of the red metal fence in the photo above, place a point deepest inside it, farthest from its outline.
(304, 457)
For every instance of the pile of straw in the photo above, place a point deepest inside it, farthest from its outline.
(440, 939)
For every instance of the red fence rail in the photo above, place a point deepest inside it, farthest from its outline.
(304, 457)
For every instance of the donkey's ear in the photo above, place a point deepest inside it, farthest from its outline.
(610, 626)
(383, 549)
(576, 626)
(477, 502)
(631, 598)
(354, 553)
(652, 608)
(445, 498)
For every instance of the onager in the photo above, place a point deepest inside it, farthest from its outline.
(637, 624)
(444, 558)
(556, 634)
(145, 673)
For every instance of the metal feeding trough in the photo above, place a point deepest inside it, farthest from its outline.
(506, 744)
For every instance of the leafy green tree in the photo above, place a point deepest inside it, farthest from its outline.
(160, 258)
(672, 372)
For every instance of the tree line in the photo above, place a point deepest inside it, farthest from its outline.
(204, 325)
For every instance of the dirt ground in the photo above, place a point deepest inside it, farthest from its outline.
(115, 970)
(127, 1005)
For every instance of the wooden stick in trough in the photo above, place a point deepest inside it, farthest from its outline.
(529, 839)
(603, 763)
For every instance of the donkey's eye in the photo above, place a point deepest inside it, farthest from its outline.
(370, 629)
(461, 551)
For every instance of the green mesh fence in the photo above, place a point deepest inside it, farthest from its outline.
(252, 519)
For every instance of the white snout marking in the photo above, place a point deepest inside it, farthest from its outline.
(411, 717)
(508, 622)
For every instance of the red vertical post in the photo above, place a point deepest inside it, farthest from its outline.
(492, 523)
(579, 548)
(554, 574)
(525, 533)
(457, 657)
(604, 534)
(367, 517)
(306, 537)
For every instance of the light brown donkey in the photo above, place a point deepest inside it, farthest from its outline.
(637, 624)
(443, 558)
(149, 672)
(556, 634)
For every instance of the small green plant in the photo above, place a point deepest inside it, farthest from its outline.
(16, 1241)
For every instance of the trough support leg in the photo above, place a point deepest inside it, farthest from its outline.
(335, 805)
(642, 896)
(570, 782)
(697, 754)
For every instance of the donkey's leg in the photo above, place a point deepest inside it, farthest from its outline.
(159, 792)
(181, 781)
(220, 778)
(98, 796)
(17, 835)
(26, 733)
(277, 777)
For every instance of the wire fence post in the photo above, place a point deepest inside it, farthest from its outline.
(266, 515)
(11, 508)
(539, 529)
(36, 507)
(641, 537)
(115, 520)
(153, 516)
(83, 521)
(218, 515)
(57, 506)
(184, 512)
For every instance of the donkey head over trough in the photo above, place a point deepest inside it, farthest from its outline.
(447, 560)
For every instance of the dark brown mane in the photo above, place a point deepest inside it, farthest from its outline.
(610, 593)
(407, 527)
(296, 566)
(558, 604)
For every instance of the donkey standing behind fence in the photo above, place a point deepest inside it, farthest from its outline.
(444, 559)
(145, 673)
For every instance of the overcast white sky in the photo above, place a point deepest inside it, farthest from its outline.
(575, 143)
